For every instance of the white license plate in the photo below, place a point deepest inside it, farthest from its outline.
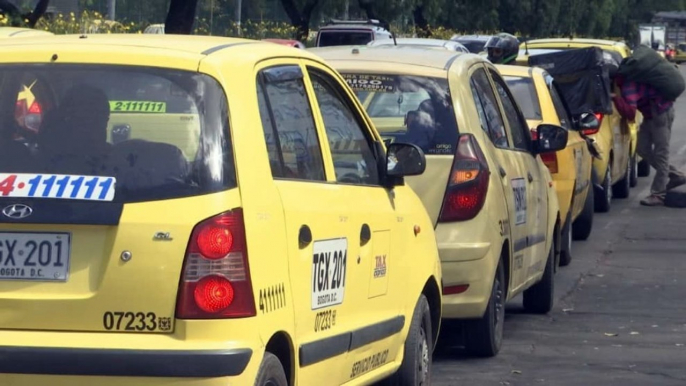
(34, 256)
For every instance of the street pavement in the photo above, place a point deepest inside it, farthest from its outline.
(620, 312)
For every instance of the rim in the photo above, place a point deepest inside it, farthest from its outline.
(499, 310)
(424, 357)
(608, 188)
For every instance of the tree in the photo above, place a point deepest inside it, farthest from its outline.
(180, 17)
(300, 19)
(19, 19)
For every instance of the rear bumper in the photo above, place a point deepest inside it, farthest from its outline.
(124, 363)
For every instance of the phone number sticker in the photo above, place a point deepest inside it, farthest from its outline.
(364, 82)
(138, 107)
(57, 186)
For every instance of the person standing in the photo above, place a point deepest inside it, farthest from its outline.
(653, 136)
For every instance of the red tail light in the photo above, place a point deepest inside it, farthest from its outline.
(468, 183)
(594, 130)
(215, 281)
(550, 160)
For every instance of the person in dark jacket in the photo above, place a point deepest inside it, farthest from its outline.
(653, 136)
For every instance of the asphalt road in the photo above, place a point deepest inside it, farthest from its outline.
(620, 312)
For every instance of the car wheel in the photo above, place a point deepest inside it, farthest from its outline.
(622, 188)
(483, 337)
(566, 250)
(581, 229)
(603, 196)
(539, 298)
(271, 372)
(643, 168)
(416, 367)
(634, 171)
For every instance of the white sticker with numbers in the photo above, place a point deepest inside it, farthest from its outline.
(519, 192)
(329, 262)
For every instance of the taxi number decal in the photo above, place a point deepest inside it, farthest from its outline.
(324, 320)
(57, 186)
(138, 106)
(134, 321)
(272, 298)
(519, 191)
(329, 265)
(369, 363)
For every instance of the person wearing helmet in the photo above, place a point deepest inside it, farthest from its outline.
(502, 48)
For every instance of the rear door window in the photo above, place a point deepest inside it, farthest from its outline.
(560, 106)
(525, 94)
(138, 133)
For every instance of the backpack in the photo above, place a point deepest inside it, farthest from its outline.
(648, 67)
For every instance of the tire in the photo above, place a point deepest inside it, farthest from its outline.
(416, 367)
(581, 229)
(271, 372)
(603, 197)
(634, 171)
(566, 239)
(539, 298)
(643, 168)
(484, 337)
(622, 188)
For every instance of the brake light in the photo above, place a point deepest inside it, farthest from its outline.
(468, 182)
(594, 130)
(215, 281)
(550, 160)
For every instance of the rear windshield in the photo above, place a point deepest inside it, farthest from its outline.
(413, 109)
(152, 133)
(344, 38)
(525, 94)
(474, 46)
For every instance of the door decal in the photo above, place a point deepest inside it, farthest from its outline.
(519, 191)
(328, 272)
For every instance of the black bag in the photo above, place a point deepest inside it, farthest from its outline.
(646, 66)
(582, 76)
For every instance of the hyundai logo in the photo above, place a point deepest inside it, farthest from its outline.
(17, 211)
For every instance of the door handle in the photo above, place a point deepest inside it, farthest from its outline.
(304, 236)
(529, 177)
(503, 173)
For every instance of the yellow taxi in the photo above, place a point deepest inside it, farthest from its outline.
(13, 32)
(680, 53)
(205, 211)
(485, 188)
(536, 93)
(617, 170)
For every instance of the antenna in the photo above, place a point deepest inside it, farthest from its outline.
(526, 47)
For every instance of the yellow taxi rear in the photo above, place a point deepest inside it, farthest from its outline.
(537, 95)
(616, 171)
(130, 253)
(485, 189)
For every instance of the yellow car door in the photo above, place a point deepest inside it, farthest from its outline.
(535, 223)
(322, 249)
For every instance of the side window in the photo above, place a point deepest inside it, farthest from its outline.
(292, 143)
(353, 158)
(484, 97)
(560, 108)
(518, 126)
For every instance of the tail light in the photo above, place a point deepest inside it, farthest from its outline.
(215, 281)
(468, 184)
(594, 130)
(550, 160)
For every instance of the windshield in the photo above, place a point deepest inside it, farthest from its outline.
(525, 94)
(344, 38)
(111, 133)
(411, 109)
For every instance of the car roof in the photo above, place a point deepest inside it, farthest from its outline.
(6, 32)
(472, 37)
(404, 55)
(599, 42)
(520, 71)
(416, 42)
(186, 44)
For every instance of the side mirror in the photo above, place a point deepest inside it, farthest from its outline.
(587, 121)
(550, 138)
(404, 159)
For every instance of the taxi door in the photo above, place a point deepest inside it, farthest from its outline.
(322, 246)
(370, 210)
(532, 190)
(512, 174)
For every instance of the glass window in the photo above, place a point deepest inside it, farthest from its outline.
(524, 92)
(558, 102)
(353, 158)
(412, 109)
(496, 127)
(518, 127)
(160, 133)
(344, 38)
(295, 152)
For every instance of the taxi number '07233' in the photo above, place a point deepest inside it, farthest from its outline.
(519, 192)
(328, 272)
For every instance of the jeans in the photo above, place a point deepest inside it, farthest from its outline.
(653, 146)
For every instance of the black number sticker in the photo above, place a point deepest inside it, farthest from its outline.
(133, 321)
